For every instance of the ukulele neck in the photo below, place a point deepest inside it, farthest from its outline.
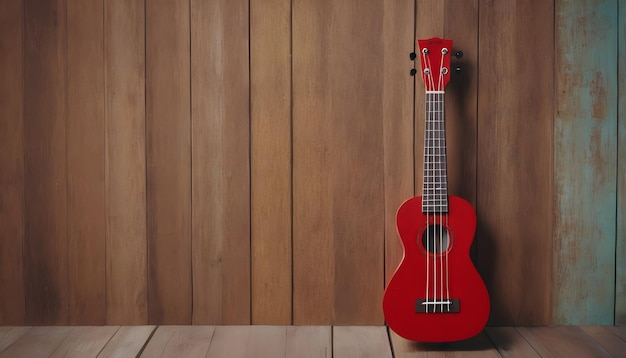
(435, 190)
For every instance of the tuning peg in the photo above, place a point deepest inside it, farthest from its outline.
(413, 72)
(458, 54)
(412, 56)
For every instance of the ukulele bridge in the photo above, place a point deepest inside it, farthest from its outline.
(437, 306)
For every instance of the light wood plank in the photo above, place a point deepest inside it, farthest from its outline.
(562, 341)
(361, 341)
(267, 341)
(510, 343)
(11, 163)
(128, 341)
(85, 162)
(478, 346)
(620, 255)
(620, 331)
(309, 342)
(84, 341)
(585, 157)
(38, 342)
(398, 27)
(229, 341)
(125, 165)
(270, 66)
(609, 341)
(514, 183)
(45, 166)
(220, 162)
(8, 335)
(338, 163)
(179, 341)
(168, 149)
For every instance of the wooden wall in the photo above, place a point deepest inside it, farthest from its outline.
(240, 162)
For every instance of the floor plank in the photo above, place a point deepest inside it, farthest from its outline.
(309, 341)
(620, 331)
(478, 346)
(363, 341)
(8, 335)
(85, 342)
(180, 341)
(128, 341)
(229, 341)
(510, 343)
(609, 341)
(37, 342)
(562, 341)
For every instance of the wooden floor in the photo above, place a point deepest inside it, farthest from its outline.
(303, 341)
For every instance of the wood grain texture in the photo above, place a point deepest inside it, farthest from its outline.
(179, 341)
(37, 342)
(45, 165)
(585, 158)
(620, 256)
(228, 341)
(610, 342)
(220, 170)
(361, 341)
(270, 91)
(11, 163)
(338, 163)
(563, 341)
(398, 32)
(168, 152)
(309, 342)
(127, 341)
(10, 334)
(479, 346)
(84, 341)
(510, 343)
(514, 165)
(125, 164)
(86, 208)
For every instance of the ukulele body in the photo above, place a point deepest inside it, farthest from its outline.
(449, 275)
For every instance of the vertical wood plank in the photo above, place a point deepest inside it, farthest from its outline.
(398, 33)
(620, 256)
(220, 162)
(168, 122)
(45, 168)
(338, 163)
(270, 75)
(11, 164)
(585, 158)
(313, 254)
(85, 162)
(125, 164)
(514, 165)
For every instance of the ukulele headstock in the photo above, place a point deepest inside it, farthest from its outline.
(434, 54)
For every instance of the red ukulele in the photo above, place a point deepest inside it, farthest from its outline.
(436, 294)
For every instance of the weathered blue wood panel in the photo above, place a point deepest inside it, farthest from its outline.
(585, 162)
(620, 289)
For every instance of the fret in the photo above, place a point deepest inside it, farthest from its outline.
(435, 188)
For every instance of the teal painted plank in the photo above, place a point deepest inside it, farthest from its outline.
(585, 162)
(620, 294)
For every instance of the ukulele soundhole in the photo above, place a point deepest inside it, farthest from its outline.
(435, 239)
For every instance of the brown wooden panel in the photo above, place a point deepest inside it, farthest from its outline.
(11, 164)
(45, 169)
(168, 122)
(220, 162)
(85, 162)
(620, 256)
(514, 188)
(398, 97)
(338, 162)
(125, 165)
(270, 71)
